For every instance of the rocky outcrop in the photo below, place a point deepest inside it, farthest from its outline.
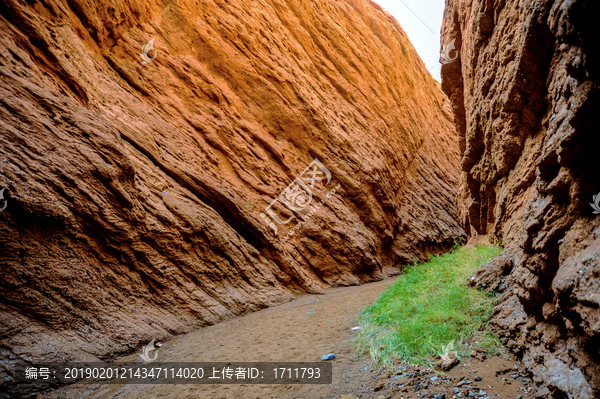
(491, 276)
(525, 93)
(137, 185)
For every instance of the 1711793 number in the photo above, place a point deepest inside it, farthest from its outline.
(297, 373)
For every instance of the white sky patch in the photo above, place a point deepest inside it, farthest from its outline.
(422, 22)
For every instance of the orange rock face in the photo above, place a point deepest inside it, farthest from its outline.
(135, 183)
(526, 98)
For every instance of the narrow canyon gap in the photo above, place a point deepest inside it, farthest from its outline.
(135, 191)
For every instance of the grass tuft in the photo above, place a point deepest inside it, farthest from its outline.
(428, 307)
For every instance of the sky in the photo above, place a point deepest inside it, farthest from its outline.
(422, 22)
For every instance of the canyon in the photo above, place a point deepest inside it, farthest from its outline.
(168, 165)
(526, 99)
(143, 142)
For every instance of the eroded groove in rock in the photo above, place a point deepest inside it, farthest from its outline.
(135, 190)
(526, 97)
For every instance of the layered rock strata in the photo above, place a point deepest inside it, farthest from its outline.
(142, 143)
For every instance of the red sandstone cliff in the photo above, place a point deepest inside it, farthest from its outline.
(135, 191)
(527, 103)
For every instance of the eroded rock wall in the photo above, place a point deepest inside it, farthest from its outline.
(525, 92)
(135, 191)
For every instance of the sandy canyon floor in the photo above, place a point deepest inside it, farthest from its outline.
(303, 330)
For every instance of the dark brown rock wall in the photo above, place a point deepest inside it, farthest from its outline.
(525, 92)
(135, 191)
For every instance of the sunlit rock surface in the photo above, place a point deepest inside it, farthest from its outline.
(135, 190)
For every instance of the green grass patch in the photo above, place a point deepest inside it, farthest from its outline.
(428, 307)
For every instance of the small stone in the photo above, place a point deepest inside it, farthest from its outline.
(478, 378)
(442, 396)
(331, 356)
(472, 394)
(473, 353)
(433, 379)
(459, 394)
(379, 386)
(523, 379)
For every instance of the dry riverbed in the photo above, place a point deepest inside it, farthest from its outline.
(303, 330)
